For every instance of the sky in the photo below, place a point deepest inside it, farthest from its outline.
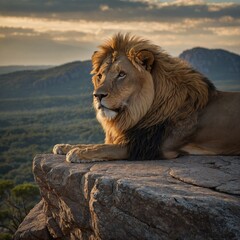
(53, 32)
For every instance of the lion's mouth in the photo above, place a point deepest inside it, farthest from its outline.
(102, 107)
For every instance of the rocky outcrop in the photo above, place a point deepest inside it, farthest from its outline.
(187, 198)
(34, 225)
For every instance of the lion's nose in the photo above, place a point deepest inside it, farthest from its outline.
(100, 96)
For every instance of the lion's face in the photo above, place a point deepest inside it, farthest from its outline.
(114, 86)
(120, 88)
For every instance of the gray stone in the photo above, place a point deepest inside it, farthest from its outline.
(190, 197)
(34, 226)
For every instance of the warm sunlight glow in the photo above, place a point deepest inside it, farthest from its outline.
(74, 30)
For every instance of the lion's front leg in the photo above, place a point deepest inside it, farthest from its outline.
(98, 152)
(63, 149)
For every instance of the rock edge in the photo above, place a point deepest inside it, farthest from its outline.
(191, 197)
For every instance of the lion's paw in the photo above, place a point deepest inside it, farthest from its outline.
(61, 149)
(72, 156)
(78, 155)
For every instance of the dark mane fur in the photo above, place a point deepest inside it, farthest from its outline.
(145, 143)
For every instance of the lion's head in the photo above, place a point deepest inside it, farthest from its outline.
(135, 82)
(123, 84)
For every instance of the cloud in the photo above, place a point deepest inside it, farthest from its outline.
(79, 26)
(62, 6)
(96, 29)
(18, 49)
(104, 7)
(92, 33)
(105, 10)
(221, 31)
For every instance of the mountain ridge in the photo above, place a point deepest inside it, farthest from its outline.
(220, 66)
(216, 64)
(64, 79)
(209, 49)
(17, 68)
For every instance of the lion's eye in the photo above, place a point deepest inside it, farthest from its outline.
(99, 76)
(121, 75)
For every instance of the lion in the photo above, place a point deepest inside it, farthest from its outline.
(154, 106)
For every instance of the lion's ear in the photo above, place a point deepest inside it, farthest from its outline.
(146, 59)
(94, 54)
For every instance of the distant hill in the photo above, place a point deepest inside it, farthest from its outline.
(220, 66)
(9, 69)
(67, 79)
(216, 64)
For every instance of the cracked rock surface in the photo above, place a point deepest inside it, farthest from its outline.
(190, 197)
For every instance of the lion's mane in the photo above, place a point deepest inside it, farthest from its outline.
(179, 92)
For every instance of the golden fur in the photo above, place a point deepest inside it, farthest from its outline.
(177, 96)
(144, 97)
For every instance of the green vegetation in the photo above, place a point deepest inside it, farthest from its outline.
(39, 109)
(16, 202)
(29, 126)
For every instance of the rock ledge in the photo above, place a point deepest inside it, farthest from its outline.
(187, 198)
